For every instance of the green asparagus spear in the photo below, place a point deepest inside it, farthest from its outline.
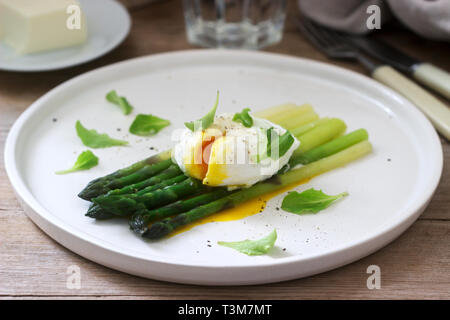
(329, 148)
(306, 127)
(322, 133)
(168, 173)
(166, 226)
(95, 187)
(162, 184)
(127, 204)
(140, 220)
(104, 186)
(97, 212)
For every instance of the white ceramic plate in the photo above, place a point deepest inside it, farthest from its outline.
(108, 25)
(388, 189)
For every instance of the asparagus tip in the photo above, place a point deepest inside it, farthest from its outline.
(92, 191)
(98, 213)
(138, 224)
(157, 231)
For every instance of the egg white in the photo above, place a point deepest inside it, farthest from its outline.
(233, 155)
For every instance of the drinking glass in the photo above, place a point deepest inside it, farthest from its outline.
(244, 24)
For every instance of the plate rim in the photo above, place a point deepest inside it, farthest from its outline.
(101, 53)
(46, 221)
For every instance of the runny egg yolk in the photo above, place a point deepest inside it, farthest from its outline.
(216, 172)
(197, 160)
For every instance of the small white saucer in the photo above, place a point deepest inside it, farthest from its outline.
(108, 25)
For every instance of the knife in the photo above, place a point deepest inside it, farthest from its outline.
(425, 73)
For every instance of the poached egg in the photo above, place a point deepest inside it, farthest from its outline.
(229, 154)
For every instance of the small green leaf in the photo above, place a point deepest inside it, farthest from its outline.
(206, 121)
(93, 139)
(85, 161)
(122, 102)
(244, 118)
(310, 200)
(253, 247)
(284, 142)
(147, 125)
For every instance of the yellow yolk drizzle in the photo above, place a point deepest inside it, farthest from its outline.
(195, 160)
(244, 210)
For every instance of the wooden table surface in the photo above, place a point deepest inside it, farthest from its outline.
(32, 265)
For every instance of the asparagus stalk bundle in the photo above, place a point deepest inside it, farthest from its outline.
(329, 148)
(123, 177)
(289, 116)
(156, 191)
(164, 227)
(326, 157)
(97, 212)
(141, 219)
(142, 172)
(128, 203)
(172, 171)
(141, 202)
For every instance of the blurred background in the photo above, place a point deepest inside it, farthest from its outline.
(419, 27)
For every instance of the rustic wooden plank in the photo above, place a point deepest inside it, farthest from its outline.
(32, 265)
(41, 266)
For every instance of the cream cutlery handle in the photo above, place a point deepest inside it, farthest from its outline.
(436, 111)
(433, 77)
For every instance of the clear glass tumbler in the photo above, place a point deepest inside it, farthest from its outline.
(243, 24)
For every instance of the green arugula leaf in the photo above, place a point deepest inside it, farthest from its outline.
(147, 125)
(284, 142)
(85, 161)
(122, 102)
(310, 200)
(253, 247)
(206, 121)
(244, 118)
(93, 139)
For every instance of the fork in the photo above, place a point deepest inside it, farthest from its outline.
(336, 45)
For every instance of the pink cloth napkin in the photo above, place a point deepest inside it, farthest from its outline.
(428, 18)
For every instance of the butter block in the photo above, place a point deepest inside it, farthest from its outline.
(31, 26)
